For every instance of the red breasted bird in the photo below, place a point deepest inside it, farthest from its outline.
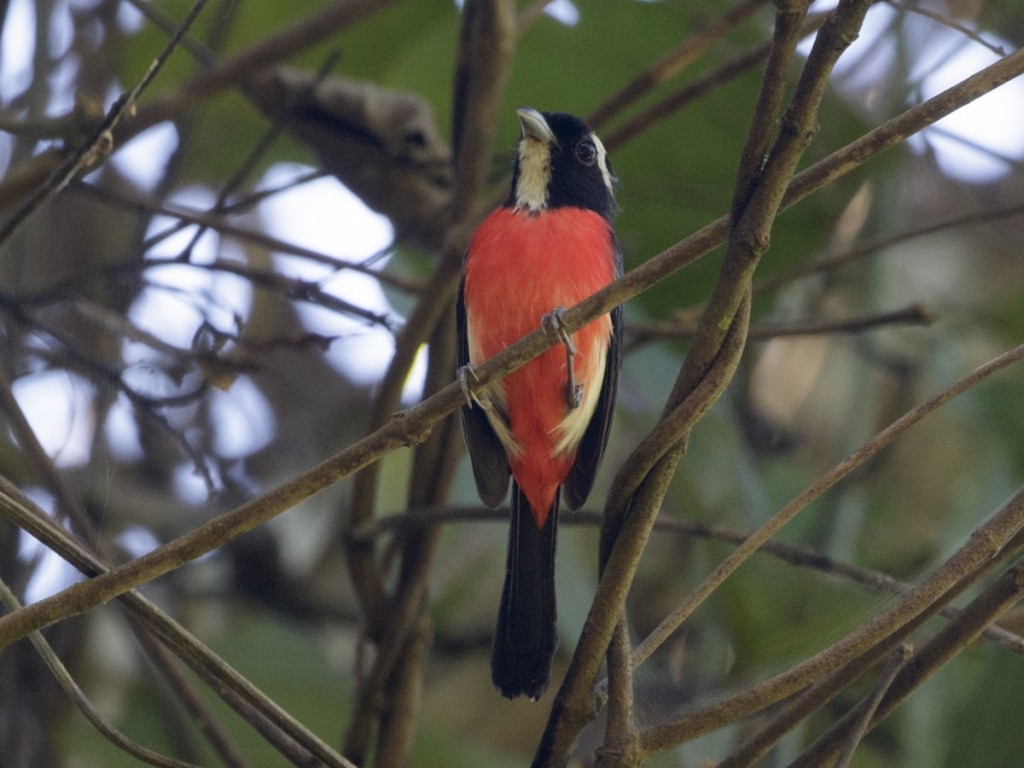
(549, 246)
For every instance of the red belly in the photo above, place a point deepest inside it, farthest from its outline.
(522, 266)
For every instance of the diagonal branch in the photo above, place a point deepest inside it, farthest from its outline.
(896, 661)
(670, 65)
(70, 504)
(986, 544)
(100, 141)
(236, 69)
(856, 459)
(698, 88)
(278, 727)
(77, 696)
(999, 597)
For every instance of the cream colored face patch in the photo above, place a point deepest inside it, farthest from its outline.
(534, 174)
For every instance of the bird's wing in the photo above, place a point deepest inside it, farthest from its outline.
(486, 453)
(580, 480)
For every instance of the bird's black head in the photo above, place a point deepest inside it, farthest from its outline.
(561, 162)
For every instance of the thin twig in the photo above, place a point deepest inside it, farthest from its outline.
(71, 505)
(801, 557)
(27, 438)
(279, 728)
(190, 216)
(915, 314)
(979, 147)
(979, 552)
(884, 438)
(28, 441)
(895, 664)
(100, 141)
(687, 94)
(81, 701)
(826, 688)
(995, 600)
(147, 405)
(946, 21)
(199, 50)
(163, 659)
(837, 260)
(674, 62)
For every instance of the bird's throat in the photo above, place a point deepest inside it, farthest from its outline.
(534, 175)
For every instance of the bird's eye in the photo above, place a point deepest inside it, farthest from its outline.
(586, 152)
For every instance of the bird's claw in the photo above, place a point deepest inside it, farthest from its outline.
(575, 394)
(462, 375)
(554, 323)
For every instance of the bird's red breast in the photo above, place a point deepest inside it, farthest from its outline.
(519, 267)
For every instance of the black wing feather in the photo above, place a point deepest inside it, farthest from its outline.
(580, 481)
(486, 453)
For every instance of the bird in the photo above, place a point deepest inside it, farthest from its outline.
(550, 245)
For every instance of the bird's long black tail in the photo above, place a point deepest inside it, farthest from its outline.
(525, 638)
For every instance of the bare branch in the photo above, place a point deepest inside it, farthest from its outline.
(915, 314)
(188, 216)
(895, 664)
(279, 728)
(985, 545)
(100, 141)
(800, 557)
(698, 88)
(80, 700)
(70, 504)
(817, 489)
(999, 597)
(236, 69)
(836, 260)
(674, 62)
(946, 21)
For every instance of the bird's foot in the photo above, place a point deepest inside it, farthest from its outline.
(462, 375)
(472, 398)
(554, 323)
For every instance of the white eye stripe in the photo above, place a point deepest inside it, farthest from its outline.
(531, 190)
(602, 163)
